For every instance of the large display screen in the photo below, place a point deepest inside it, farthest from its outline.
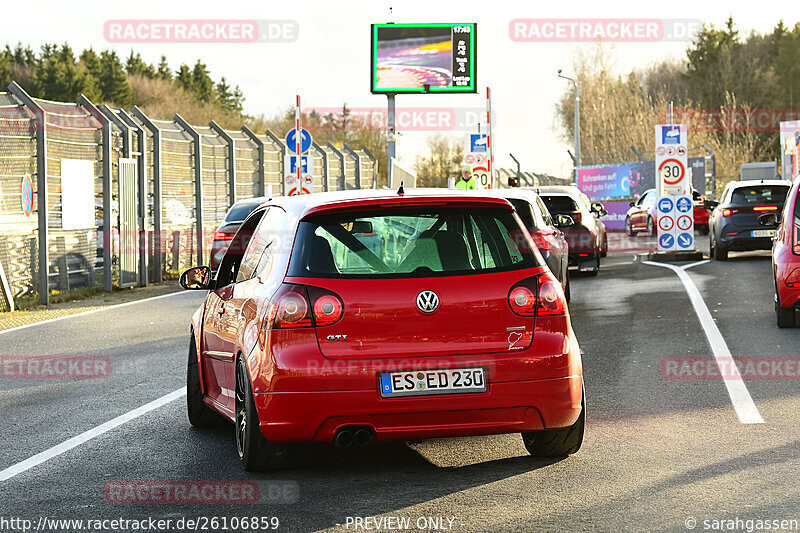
(417, 58)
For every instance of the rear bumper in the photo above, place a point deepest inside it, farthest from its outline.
(744, 242)
(506, 407)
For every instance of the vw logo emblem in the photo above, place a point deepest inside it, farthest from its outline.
(427, 301)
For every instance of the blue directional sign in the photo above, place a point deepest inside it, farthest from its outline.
(666, 241)
(293, 164)
(685, 240)
(683, 204)
(664, 205)
(305, 142)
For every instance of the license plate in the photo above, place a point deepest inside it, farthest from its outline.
(428, 382)
(763, 233)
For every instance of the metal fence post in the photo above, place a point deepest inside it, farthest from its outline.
(711, 175)
(157, 237)
(231, 159)
(198, 182)
(342, 180)
(325, 167)
(141, 149)
(282, 146)
(106, 149)
(260, 144)
(374, 166)
(40, 121)
(357, 162)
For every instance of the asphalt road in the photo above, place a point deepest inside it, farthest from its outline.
(658, 452)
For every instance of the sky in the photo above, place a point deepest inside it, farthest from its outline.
(329, 61)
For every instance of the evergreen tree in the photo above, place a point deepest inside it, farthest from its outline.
(113, 82)
(164, 71)
(135, 66)
(202, 84)
(59, 77)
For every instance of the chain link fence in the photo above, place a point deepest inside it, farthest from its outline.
(160, 188)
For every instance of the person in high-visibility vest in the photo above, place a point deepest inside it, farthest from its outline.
(467, 180)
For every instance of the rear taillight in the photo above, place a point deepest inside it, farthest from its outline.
(794, 278)
(298, 306)
(328, 308)
(540, 241)
(765, 208)
(222, 236)
(522, 300)
(540, 295)
(726, 212)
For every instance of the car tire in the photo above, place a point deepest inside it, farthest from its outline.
(256, 453)
(717, 252)
(604, 248)
(567, 289)
(651, 226)
(703, 230)
(200, 415)
(557, 442)
(629, 227)
(786, 317)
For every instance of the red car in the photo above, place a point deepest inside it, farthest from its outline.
(786, 257)
(642, 215)
(443, 327)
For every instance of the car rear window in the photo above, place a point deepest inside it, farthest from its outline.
(560, 204)
(239, 212)
(419, 242)
(760, 194)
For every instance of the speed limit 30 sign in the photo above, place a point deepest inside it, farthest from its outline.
(672, 171)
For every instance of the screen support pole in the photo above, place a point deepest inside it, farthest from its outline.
(390, 138)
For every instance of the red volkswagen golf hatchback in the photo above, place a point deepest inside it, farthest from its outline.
(786, 257)
(369, 315)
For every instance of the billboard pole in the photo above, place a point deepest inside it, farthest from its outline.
(390, 138)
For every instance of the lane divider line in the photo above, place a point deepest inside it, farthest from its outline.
(86, 436)
(89, 312)
(742, 402)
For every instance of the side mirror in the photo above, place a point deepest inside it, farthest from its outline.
(561, 221)
(196, 279)
(632, 204)
(768, 219)
(710, 204)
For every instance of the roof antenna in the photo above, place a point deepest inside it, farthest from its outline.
(401, 191)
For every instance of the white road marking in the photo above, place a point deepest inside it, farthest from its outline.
(740, 397)
(86, 436)
(84, 313)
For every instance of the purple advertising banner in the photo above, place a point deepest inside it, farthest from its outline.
(630, 180)
(615, 219)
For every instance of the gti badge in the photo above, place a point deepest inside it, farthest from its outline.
(427, 301)
(337, 337)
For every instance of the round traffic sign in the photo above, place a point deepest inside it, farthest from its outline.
(665, 223)
(665, 204)
(683, 204)
(666, 240)
(27, 195)
(684, 222)
(482, 175)
(291, 179)
(671, 171)
(469, 159)
(480, 159)
(685, 240)
(681, 150)
(305, 141)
